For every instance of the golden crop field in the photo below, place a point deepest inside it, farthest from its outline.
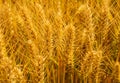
(59, 41)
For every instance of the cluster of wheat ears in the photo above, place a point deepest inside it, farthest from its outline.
(59, 41)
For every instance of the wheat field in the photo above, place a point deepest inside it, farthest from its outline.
(59, 41)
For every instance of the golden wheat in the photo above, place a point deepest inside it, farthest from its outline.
(59, 41)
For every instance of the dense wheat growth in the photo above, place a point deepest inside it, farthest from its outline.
(59, 41)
